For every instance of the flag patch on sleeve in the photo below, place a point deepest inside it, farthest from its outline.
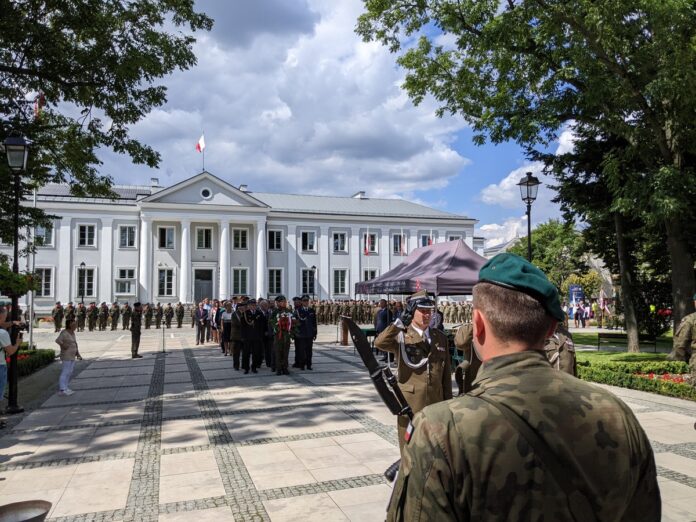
(409, 432)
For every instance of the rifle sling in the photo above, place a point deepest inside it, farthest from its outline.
(563, 475)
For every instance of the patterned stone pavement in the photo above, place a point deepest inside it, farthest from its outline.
(182, 436)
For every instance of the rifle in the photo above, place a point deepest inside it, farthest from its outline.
(384, 381)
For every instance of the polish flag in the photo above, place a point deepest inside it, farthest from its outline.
(200, 146)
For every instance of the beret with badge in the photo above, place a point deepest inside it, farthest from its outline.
(516, 273)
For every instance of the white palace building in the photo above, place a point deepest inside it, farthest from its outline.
(204, 237)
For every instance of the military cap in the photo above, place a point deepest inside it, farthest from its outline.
(251, 301)
(516, 273)
(305, 297)
(136, 304)
(296, 298)
(421, 300)
(280, 298)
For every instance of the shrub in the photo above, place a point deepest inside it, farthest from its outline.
(29, 361)
(636, 382)
(639, 367)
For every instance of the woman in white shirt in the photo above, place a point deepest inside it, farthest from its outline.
(68, 354)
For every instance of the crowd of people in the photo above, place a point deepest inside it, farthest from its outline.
(105, 317)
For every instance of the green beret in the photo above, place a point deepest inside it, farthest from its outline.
(516, 273)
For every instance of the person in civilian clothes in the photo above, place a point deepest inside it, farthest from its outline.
(201, 323)
(68, 353)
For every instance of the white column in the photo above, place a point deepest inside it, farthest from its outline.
(261, 290)
(144, 270)
(356, 254)
(224, 259)
(323, 268)
(385, 252)
(441, 236)
(106, 260)
(63, 284)
(292, 261)
(469, 238)
(413, 240)
(185, 263)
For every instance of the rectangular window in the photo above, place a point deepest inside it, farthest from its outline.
(308, 281)
(340, 281)
(45, 277)
(275, 281)
(166, 237)
(275, 240)
(370, 243)
(43, 236)
(239, 281)
(240, 239)
(85, 282)
(339, 242)
(86, 236)
(426, 240)
(454, 238)
(126, 236)
(204, 238)
(399, 245)
(308, 242)
(166, 282)
(125, 281)
(369, 274)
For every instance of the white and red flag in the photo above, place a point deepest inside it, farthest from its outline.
(200, 146)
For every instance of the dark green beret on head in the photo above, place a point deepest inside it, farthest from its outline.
(516, 273)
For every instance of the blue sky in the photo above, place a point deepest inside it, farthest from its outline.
(291, 100)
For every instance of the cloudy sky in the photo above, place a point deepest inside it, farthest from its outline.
(291, 100)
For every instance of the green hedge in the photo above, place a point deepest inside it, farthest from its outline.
(34, 360)
(607, 374)
(638, 366)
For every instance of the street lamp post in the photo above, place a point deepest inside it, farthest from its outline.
(82, 282)
(17, 152)
(529, 185)
(314, 283)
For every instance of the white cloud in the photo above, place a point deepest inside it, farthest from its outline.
(299, 104)
(496, 234)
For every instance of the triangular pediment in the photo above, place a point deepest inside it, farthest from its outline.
(204, 189)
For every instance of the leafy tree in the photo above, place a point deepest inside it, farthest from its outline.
(557, 248)
(75, 76)
(524, 70)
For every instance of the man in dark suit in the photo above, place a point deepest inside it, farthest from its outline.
(201, 323)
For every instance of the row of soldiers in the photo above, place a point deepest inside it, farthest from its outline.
(363, 312)
(102, 317)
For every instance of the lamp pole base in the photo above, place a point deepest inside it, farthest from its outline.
(14, 410)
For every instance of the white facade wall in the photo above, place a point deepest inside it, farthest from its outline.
(223, 214)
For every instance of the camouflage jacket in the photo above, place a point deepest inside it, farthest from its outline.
(685, 339)
(465, 461)
(560, 351)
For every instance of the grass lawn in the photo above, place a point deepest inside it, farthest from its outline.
(664, 342)
(593, 357)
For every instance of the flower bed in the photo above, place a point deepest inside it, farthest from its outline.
(670, 378)
(29, 361)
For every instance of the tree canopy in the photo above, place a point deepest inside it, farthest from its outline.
(525, 70)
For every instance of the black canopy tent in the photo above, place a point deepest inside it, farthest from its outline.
(449, 268)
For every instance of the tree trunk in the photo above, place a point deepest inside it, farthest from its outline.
(626, 286)
(683, 280)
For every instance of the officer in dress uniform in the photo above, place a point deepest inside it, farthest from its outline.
(422, 356)
(527, 442)
(282, 323)
(306, 333)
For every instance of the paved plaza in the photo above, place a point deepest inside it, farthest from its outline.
(181, 435)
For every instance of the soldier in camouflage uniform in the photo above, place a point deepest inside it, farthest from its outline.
(560, 350)
(92, 316)
(126, 313)
(114, 314)
(168, 315)
(103, 316)
(147, 313)
(179, 313)
(159, 312)
(70, 313)
(684, 345)
(81, 316)
(192, 312)
(58, 313)
(527, 443)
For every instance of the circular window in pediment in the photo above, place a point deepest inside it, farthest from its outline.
(206, 193)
